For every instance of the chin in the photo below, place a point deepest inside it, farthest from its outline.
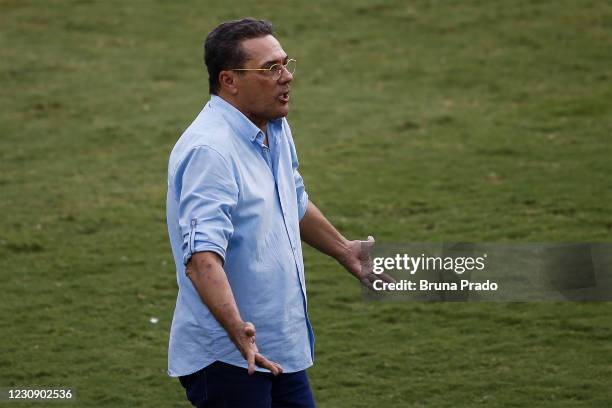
(284, 111)
(281, 113)
(276, 111)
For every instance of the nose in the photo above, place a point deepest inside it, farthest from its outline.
(286, 76)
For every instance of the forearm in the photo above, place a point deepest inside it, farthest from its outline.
(209, 279)
(319, 233)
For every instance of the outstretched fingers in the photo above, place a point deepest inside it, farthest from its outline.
(251, 352)
(250, 349)
(263, 362)
(386, 278)
(250, 362)
(369, 279)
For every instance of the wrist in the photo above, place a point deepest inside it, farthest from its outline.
(343, 251)
(234, 329)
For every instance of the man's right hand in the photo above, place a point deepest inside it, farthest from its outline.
(205, 270)
(243, 337)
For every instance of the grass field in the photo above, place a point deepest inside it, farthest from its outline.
(423, 121)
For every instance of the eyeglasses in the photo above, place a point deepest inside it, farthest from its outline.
(275, 71)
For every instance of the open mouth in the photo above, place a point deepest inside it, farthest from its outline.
(284, 97)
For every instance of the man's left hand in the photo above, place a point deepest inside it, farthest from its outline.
(358, 262)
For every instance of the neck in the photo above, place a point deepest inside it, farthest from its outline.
(260, 123)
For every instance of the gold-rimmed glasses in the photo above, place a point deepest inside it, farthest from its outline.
(275, 71)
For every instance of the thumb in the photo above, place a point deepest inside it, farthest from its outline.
(249, 329)
(369, 243)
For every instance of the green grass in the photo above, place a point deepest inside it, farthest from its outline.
(420, 122)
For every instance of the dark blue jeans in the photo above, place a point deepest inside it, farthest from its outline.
(222, 385)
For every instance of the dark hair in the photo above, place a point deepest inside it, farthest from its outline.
(223, 50)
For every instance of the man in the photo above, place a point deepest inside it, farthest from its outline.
(236, 210)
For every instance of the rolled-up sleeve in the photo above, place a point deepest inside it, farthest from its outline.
(207, 195)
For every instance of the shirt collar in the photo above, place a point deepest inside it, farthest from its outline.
(239, 121)
(236, 119)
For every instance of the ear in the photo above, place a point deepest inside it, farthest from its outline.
(228, 81)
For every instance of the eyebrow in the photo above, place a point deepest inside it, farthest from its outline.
(272, 62)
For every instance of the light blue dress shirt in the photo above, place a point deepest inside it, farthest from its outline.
(229, 194)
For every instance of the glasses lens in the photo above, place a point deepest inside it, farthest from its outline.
(290, 66)
(276, 70)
